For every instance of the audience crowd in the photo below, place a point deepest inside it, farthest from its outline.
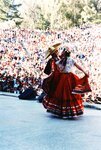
(22, 56)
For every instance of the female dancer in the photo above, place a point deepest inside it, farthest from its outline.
(60, 98)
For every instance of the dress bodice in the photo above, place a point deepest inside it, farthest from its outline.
(69, 64)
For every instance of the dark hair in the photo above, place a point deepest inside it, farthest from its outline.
(68, 53)
(64, 60)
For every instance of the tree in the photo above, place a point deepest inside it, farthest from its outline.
(54, 14)
(91, 12)
(71, 12)
(9, 11)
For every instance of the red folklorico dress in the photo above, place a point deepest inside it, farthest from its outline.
(62, 93)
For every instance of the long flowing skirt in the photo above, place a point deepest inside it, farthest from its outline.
(59, 98)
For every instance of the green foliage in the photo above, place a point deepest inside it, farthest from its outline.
(61, 14)
(9, 11)
(3, 11)
(46, 24)
(78, 12)
(18, 23)
(43, 23)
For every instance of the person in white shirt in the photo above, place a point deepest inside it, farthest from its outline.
(63, 101)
